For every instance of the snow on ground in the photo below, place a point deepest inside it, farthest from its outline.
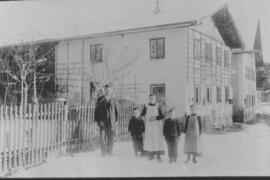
(242, 153)
(263, 108)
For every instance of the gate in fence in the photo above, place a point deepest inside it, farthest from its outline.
(29, 135)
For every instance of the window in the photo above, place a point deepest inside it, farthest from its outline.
(218, 56)
(197, 94)
(208, 95)
(219, 100)
(96, 53)
(159, 90)
(157, 48)
(197, 49)
(226, 58)
(227, 94)
(208, 52)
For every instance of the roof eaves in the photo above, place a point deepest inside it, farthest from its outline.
(236, 28)
(119, 32)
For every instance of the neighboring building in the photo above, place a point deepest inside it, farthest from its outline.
(259, 62)
(182, 62)
(244, 86)
(258, 46)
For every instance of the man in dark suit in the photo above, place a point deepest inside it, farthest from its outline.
(106, 116)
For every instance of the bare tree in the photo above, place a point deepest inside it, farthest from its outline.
(19, 63)
(117, 64)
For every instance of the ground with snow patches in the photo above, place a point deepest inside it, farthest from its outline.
(244, 152)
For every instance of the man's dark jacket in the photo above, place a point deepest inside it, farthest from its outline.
(136, 127)
(103, 110)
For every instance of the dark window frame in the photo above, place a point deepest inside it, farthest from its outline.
(218, 95)
(208, 94)
(94, 57)
(161, 85)
(158, 54)
(197, 94)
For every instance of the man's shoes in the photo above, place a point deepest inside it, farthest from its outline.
(195, 161)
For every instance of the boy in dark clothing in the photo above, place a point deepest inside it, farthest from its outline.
(171, 131)
(136, 128)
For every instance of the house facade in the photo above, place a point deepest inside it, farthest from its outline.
(244, 86)
(182, 63)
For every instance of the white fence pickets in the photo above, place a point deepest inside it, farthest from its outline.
(29, 135)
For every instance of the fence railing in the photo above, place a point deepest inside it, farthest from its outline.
(29, 135)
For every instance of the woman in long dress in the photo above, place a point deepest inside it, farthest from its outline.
(193, 129)
(153, 141)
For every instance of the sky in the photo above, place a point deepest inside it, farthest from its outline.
(40, 19)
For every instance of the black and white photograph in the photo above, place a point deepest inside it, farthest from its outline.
(134, 88)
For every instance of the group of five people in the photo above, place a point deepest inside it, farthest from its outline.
(149, 128)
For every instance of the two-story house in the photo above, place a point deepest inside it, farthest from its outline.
(182, 61)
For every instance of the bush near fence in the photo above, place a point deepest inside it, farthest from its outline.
(29, 135)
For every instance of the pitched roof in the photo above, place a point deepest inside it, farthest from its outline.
(30, 21)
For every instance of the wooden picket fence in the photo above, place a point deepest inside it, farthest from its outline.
(29, 135)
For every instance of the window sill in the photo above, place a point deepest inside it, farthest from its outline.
(161, 58)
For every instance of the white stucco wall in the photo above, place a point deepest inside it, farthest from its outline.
(178, 71)
(242, 85)
(120, 49)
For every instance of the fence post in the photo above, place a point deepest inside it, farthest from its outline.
(65, 125)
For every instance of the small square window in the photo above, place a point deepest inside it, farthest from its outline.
(159, 90)
(157, 48)
(96, 53)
